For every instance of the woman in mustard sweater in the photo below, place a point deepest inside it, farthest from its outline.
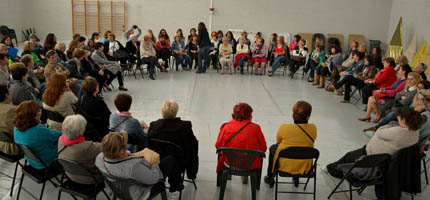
(299, 134)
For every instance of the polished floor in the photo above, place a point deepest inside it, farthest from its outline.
(207, 100)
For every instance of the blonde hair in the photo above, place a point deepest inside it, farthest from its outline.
(147, 36)
(169, 109)
(424, 96)
(60, 46)
(225, 38)
(26, 46)
(114, 144)
(416, 76)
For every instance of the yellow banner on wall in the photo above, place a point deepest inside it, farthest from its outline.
(420, 52)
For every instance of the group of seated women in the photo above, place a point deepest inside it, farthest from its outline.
(123, 145)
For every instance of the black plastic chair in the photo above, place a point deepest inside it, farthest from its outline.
(166, 147)
(54, 116)
(40, 176)
(121, 187)
(4, 30)
(300, 153)
(378, 160)
(85, 191)
(5, 137)
(423, 157)
(240, 162)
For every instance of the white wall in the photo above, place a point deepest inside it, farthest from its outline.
(367, 17)
(416, 14)
(12, 14)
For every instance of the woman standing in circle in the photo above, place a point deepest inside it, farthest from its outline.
(204, 47)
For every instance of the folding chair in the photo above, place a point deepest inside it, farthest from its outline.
(40, 176)
(359, 93)
(5, 137)
(423, 157)
(85, 191)
(372, 161)
(168, 148)
(240, 162)
(300, 153)
(121, 187)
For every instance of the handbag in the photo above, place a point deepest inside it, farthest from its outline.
(119, 54)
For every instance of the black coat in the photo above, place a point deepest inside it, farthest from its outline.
(61, 55)
(403, 174)
(131, 48)
(74, 72)
(97, 114)
(106, 49)
(89, 67)
(181, 133)
(203, 38)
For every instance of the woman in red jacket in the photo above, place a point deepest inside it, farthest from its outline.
(383, 79)
(163, 50)
(250, 137)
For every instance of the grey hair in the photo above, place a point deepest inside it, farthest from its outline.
(2, 46)
(74, 126)
(424, 66)
(132, 36)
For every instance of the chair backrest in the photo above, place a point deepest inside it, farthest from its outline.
(75, 168)
(54, 116)
(166, 148)
(121, 186)
(376, 160)
(300, 153)
(240, 160)
(4, 30)
(5, 137)
(31, 155)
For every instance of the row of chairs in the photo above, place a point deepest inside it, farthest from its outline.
(118, 185)
(240, 161)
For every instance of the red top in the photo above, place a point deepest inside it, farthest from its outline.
(386, 77)
(158, 45)
(251, 137)
(279, 49)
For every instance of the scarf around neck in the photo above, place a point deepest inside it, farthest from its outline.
(68, 142)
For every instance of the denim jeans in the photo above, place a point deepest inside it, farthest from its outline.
(182, 60)
(313, 66)
(277, 63)
(242, 63)
(203, 55)
(387, 119)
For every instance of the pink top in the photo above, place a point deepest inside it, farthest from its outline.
(393, 92)
(293, 45)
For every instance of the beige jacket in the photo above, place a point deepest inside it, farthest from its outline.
(85, 154)
(389, 139)
(51, 69)
(7, 117)
(65, 107)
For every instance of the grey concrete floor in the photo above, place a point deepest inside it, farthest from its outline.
(207, 100)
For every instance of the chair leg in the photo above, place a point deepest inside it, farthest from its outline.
(219, 178)
(20, 186)
(223, 184)
(337, 186)
(164, 195)
(14, 178)
(306, 184)
(254, 185)
(350, 192)
(107, 196)
(43, 189)
(425, 171)
(276, 186)
(315, 185)
(195, 185)
(258, 178)
(59, 194)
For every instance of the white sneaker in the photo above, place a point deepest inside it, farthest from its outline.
(174, 195)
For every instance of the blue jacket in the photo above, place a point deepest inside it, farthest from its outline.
(42, 141)
(357, 67)
(175, 46)
(133, 128)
